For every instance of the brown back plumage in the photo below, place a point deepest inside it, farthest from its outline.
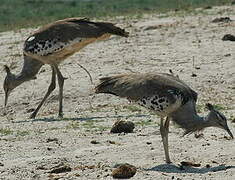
(71, 28)
(137, 86)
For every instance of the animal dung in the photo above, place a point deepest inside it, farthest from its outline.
(228, 37)
(221, 19)
(123, 126)
(124, 171)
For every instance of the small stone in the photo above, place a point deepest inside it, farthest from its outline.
(41, 167)
(30, 110)
(185, 163)
(52, 140)
(124, 171)
(227, 137)
(84, 167)
(194, 75)
(1, 164)
(227, 55)
(123, 126)
(94, 142)
(111, 142)
(77, 175)
(61, 169)
(25, 103)
(208, 7)
(49, 148)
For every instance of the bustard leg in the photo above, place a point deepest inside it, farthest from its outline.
(164, 129)
(50, 89)
(61, 86)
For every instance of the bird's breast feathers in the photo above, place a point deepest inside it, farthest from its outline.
(162, 105)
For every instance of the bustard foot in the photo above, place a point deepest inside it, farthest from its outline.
(33, 115)
(168, 161)
(61, 115)
(198, 134)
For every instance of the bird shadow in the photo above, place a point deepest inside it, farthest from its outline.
(171, 168)
(53, 119)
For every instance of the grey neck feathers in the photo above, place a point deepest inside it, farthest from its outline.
(187, 118)
(19, 79)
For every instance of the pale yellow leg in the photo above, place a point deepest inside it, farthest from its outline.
(61, 86)
(50, 89)
(164, 129)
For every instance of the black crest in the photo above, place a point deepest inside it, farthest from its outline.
(209, 107)
(7, 69)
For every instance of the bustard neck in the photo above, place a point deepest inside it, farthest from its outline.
(21, 78)
(187, 118)
(29, 70)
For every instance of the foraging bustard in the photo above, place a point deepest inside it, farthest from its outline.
(168, 96)
(52, 44)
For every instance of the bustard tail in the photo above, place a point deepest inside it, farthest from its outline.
(107, 85)
(112, 29)
(106, 26)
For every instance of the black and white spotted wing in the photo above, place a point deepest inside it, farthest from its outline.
(161, 104)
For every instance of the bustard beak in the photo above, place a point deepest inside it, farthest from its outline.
(229, 132)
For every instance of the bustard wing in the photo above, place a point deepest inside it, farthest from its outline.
(71, 28)
(137, 86)
(64, 33)
(193, 94)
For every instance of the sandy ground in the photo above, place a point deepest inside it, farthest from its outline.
(30, 149)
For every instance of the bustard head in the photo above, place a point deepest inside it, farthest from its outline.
(217, 119)
(9, 83)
